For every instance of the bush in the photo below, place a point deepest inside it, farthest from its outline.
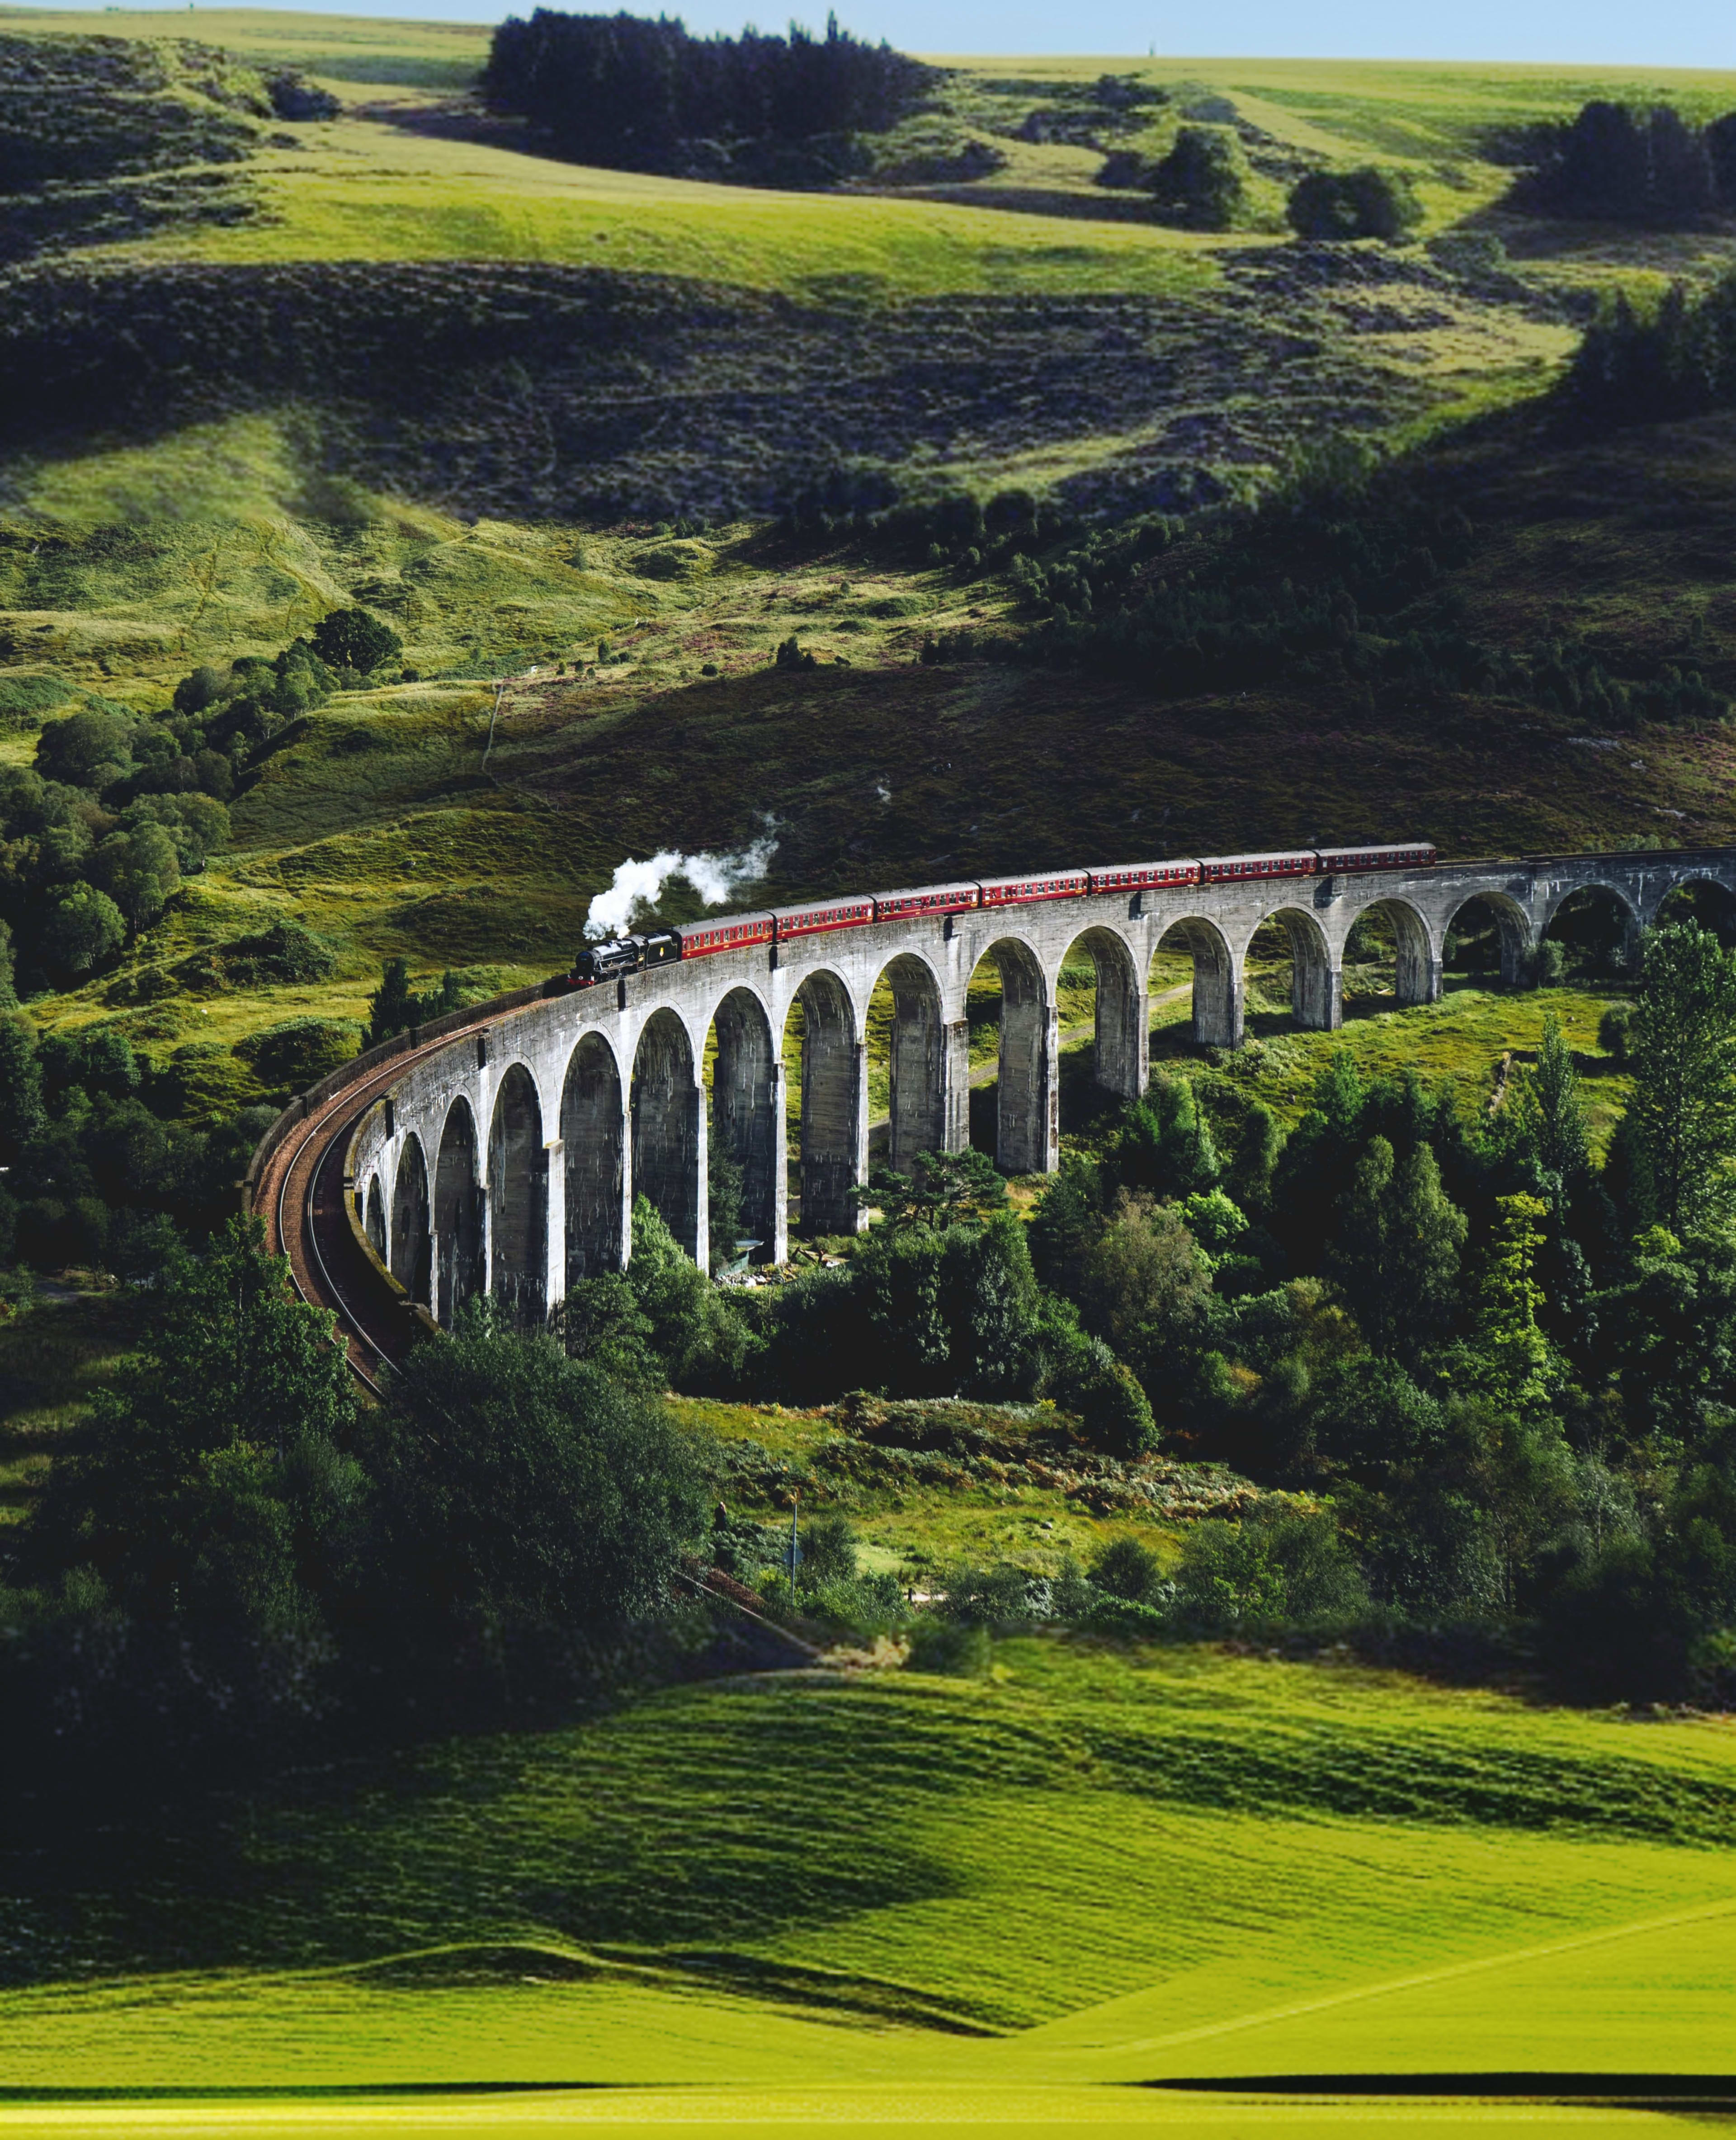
(1277, 1566)
(1613, 1028)
(1202, 184)
(285, 952)
(938, 1645)
(1369, 203)
(1126, 1569)
(1106, 1399)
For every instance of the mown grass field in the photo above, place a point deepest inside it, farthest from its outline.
(1089, 1867)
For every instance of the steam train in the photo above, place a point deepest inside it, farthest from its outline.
(737, 932)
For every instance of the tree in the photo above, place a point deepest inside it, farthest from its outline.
(1367, 202)
(395, 1007)
(87, 749)
(1546, 1116)
(21, 1083)
(696, 1332)
(1508, 1297)
(392, 1007)
(1106, 1398)
(82, 927)
(140, 871)
(1615, 164)
(601, 1321)
(1552, 1108)
(946, 1187)
(1202, 184)
(1145, 1288)
(1370, 1415)
(1396, 1249)
(212, 1479)
(725, 1197)
(353, 639)
(516, 1483)
(1165, 1142)
(1256, 1158)
(990, 1305)
(1069, 1218)
(1682, 1047)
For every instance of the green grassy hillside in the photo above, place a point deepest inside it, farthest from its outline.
(1087, 1867)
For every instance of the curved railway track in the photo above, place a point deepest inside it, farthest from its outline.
(299, 1192)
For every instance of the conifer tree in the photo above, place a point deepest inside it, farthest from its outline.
(1550, 1111)
(1682, 1045)
(1399, 1237)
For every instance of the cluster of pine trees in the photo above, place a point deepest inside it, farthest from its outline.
(1633, 367)
(1616, 164)
(640, 95)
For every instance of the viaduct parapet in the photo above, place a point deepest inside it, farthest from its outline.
(505, 1159)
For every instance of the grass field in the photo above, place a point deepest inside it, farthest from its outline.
(1089, 1867)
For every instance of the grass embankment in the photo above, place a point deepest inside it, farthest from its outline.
(1177, 1863)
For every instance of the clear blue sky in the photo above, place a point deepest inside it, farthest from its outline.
(1672, 33)
(1682, 33)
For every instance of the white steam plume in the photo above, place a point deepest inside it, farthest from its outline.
(638, 886)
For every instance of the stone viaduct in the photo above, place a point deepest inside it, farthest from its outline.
(507, 1159)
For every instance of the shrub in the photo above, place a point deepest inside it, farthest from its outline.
(1613, 1028)
(1127, 1570)
(1108, 1401)
(1278, 1565)
(1369, 203)
(1202, 184)
(287, 951)
(938, 1645)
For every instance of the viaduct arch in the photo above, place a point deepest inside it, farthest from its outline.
(501, 1155)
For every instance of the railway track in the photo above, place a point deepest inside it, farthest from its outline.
(299, 1192)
